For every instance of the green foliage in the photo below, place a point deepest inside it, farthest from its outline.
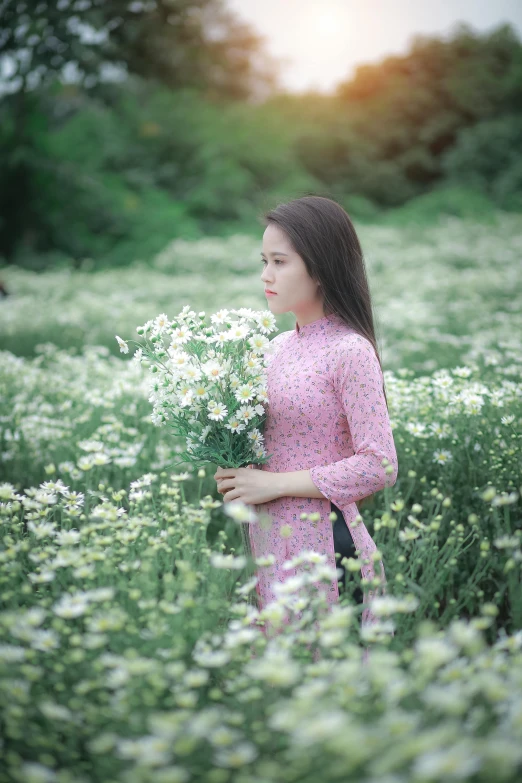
(401, 115)
(118, 184)
(359, 207)
(114, 174)
(98, 217)
(457, 201)
(42, 39)
(487, 158)
(63, 201)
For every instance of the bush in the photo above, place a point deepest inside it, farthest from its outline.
(486, 157)
(459, 202)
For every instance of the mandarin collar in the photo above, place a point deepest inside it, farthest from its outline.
(315, 326)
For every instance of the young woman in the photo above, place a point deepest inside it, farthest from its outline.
(327, 427)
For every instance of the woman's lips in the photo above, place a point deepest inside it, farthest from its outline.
(269, 293)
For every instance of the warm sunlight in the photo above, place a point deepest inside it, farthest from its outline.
(314, 39)
(327, 23)
(322, 43)
(318, 40)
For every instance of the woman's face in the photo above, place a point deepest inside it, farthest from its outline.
(285, 273)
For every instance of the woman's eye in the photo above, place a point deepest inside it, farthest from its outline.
(276, 261)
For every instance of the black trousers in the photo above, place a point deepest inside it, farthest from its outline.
(343, 544)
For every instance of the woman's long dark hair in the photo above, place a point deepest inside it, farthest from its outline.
(321, 232)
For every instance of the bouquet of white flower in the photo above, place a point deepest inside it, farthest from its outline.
(208, 381)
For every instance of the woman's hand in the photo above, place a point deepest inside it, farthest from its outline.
(251, 486)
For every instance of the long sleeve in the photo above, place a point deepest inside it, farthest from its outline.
(357, 380)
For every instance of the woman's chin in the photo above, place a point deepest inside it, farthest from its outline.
(274, 306)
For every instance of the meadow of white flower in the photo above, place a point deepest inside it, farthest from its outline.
(443, 294)
(130, 642)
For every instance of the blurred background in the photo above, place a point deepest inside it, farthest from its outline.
(141, 141)
(127, 123)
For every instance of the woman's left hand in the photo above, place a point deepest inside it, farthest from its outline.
(251, 486)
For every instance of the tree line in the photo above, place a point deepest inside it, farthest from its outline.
(126, 123)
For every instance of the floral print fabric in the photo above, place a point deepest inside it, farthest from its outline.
(327, 414)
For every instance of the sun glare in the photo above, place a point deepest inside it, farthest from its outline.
(313, 39)
(327, 24)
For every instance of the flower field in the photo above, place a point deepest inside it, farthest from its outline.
(130, 646)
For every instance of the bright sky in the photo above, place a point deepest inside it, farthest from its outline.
(322, 40)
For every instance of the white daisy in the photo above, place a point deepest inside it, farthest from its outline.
(239, 332)
(181, 335)
(416, 428)
(256, 437)
(442, 456)
(258, 342)
(178, 359)
(235, 425)
(124, 348)
(245, 393)
(213, 370)
(252, 363)
(191, 373)
(217, 411)
(266, 323)
(186, 399)
(220, 317)
(161, 322)
(204, 433)
(246, 413)
(71, 606)
(245, 312)
(184, 388)
(67, 537)
(221, 337)
(137, 356)
(200, 391)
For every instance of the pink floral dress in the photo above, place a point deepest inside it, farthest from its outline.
(326, 413)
